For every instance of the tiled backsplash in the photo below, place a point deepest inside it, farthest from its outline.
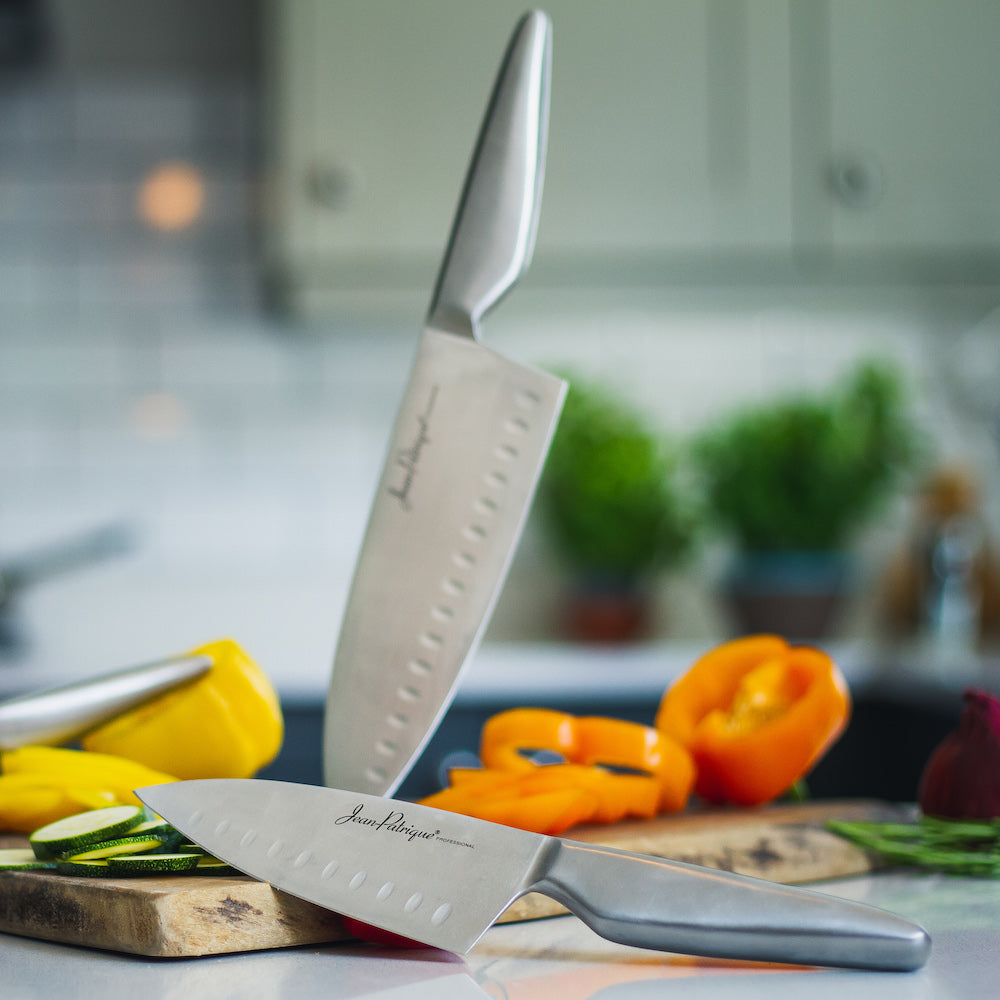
(140, 379)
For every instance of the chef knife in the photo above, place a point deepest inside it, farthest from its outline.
(442, 879)
(468, 445)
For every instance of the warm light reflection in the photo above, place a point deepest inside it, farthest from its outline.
(172, 196)
(159, 416)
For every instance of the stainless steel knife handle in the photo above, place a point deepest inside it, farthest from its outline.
(671, 906)
(60, 714)
(493, 235)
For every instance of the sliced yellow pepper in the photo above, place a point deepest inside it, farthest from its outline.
(28, 801)
(226, 724)
(42, 784)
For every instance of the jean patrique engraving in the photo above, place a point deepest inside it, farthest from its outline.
(394, 822)
(408, 458)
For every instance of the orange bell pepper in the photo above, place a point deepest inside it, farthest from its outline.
(618, 743)
(508, 735)
(756, 714)
(516, 798)
(613, 769)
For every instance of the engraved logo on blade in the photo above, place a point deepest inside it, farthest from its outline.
(408, 458)
(395, 822)
(474, 537)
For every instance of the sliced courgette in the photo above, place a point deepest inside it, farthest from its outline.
(21, 859)
(110, 848)
(207, 865)
(88, 869)
(151, 864)
(156, 825)
(77, 833)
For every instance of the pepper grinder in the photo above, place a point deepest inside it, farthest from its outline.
(944, 586)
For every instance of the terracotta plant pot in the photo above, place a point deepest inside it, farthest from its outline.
(606, 612)
(798, 595)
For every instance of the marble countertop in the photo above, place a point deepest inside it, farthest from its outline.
(545, 959)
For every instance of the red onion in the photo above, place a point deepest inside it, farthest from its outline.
(961, 779)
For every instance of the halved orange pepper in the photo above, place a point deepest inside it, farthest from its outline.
(756, 714)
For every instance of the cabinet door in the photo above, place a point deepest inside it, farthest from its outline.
(669, 130)
(908, 157)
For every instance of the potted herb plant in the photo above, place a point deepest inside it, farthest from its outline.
(792, 482)
(610, 504)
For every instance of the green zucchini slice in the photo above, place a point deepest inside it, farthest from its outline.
(21, 859)
(76, 833)
(207, 865)
(157, 826)
(88, 869)
(110, 848)
(151, 864)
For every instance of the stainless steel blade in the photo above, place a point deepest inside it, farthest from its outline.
(427, 878)
(443, 879)
(472, 434)
(466, 452)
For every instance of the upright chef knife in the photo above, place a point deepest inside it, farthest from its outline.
(442, 879)
(469, 442)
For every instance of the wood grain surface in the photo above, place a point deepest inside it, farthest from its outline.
(172, 916)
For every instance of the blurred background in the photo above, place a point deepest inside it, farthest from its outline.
(220, 222)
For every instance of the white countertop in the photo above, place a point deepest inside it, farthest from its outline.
(554, 959)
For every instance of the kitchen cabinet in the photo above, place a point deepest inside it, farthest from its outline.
(702, 139)
(897, 139)
(669, 133)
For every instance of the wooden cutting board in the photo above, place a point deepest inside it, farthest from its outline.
(192, 915)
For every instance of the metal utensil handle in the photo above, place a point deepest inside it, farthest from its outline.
(493, 234)
(670, 906)
(60, 714)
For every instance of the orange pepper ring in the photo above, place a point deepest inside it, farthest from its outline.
(591, 740)
(508, 733)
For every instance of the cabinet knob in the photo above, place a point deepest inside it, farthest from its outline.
(330, 185)
(857, 181)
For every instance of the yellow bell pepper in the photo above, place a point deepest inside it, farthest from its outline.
(226, 724)
(39, 785)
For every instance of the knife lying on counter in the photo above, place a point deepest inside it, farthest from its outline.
(442, 879)
(468, 445)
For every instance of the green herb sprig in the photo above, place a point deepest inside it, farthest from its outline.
(957, 847)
